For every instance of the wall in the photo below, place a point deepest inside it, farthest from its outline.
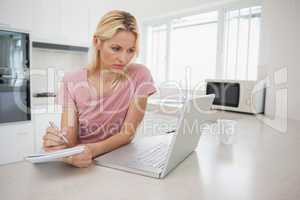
(48, 67)
(149, 9)
(279, 57)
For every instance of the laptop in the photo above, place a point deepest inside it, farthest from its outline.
(156, 156)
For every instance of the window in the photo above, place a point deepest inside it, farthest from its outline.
(241, 43)
(217, 44)
(193, 48)
(156, 51)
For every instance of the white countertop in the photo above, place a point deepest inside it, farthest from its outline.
(263, 164)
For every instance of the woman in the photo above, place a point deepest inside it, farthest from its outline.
(104, 103)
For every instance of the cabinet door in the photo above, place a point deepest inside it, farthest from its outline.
(46, 19)
(41, 123)
(17, 14)
(17, 141)
(75, 22)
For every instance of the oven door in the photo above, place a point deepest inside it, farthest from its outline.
(14, 100)
(14, 76)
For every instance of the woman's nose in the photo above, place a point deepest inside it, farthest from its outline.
(122, 57)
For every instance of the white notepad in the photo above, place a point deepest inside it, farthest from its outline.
(53, 156)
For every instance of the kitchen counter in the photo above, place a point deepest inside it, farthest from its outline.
(262, 164)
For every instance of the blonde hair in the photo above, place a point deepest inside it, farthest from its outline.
(111, 23)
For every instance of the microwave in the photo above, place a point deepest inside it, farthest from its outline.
(237, 95)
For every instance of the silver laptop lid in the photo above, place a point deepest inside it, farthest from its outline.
(195, 112)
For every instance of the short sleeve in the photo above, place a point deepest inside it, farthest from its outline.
(65, 96)
(144, 83)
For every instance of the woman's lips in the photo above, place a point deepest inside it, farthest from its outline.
(118, 66)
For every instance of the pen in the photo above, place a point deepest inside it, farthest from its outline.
(62, 136)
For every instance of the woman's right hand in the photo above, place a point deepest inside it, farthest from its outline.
(52, 140)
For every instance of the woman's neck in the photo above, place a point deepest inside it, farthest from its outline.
(102, 74)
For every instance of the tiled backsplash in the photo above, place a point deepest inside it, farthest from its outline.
(48, 67)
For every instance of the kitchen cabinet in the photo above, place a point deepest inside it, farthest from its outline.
(75, 22)
(20, 139)
(17, 14)
(16, 141)
(46, 20)
(61, 22)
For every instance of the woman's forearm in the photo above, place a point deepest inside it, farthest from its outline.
(110, 144)
(71, 137)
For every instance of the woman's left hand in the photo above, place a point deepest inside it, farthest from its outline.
(84, 159)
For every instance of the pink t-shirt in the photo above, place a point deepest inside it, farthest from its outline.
(102, 116)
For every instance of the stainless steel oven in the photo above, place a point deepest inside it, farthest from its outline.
(14, 76)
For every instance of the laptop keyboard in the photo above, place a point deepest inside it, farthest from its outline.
(154, 156)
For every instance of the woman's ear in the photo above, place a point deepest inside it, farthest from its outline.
(96, 42)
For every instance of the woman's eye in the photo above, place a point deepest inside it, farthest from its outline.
(131, 50)
(116, 48)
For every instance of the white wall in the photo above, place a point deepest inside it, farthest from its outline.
(148, 9)
(48, 67)
(280, 48)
